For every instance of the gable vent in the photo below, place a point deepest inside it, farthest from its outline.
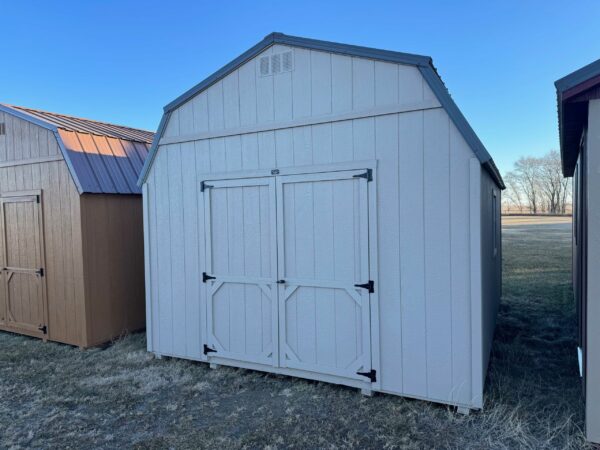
(2, 128)
(276, 63)
(265, 65)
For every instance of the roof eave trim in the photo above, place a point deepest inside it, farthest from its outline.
(461, 123)
(54, 130)
(153, 149)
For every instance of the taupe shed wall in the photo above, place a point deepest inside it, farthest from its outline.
(113, 249)
(491, 263)
(22, 150)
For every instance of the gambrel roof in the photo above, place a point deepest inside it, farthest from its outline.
(102, 158)
(423, 63)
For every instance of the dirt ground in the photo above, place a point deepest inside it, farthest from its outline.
(56, 396)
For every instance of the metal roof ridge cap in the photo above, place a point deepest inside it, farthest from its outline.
(407, 58)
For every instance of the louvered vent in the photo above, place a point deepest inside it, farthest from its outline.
(287, 62)
(265, 65)
(2, 128)
(276, 63)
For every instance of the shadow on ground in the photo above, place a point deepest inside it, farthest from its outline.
(55, 396)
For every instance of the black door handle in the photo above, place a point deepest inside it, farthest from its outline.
(280, 281)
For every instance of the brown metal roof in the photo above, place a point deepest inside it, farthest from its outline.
(103, 158)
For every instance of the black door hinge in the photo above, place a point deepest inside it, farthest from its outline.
(40, 271)
(370, 286)
(37, 198)
(368, 175)
(206, 277)
(43, 329)
(204, 186)
(208, 350)
(372, 375)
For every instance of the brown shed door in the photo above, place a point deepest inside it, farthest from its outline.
(23, 305)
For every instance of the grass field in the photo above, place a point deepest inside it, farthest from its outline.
(55, 396)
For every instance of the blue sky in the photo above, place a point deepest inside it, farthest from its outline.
(122, 61)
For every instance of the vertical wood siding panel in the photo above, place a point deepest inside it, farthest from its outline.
(264, 94)
(266, 150)
(233, 153)
(218, 158)
(284, 148)
(172, 128)
(412, 243)
(202, 149)
(322, 143)
(200, 112)
(231, 100)
(386, 83)
(302, 152)
(282, 101)
(437, 255)
(341, 85)
(186, 118)
(250, 151)
(247, 80)
(460, 264)
(410, 85)
(177, 239)
(320, 63)
(342, 141)
(216, 115)
(386, 133)
(191, 244)
(363, 83)
(165, 294)
(363, 132)
(301, 83)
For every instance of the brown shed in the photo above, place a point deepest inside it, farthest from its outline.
(71, 233)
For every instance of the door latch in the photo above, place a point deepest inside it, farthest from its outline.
(43, 329)
(40, 272)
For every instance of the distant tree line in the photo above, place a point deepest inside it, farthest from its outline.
(536, 186)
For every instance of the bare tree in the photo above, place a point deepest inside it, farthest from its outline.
(538, 184)
(527, 172)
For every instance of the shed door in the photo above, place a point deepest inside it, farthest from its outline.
(323, 253)
(23, 290)
(242, 256)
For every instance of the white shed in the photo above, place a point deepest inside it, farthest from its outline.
(325, 211)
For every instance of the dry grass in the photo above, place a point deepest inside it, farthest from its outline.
(55, 396)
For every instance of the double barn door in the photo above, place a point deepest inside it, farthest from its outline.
(287, 272)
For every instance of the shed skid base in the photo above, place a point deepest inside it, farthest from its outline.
(463, 410)
(366, 392)
(213, 365)
(157, 356)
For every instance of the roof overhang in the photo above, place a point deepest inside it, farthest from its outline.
(423, 63)
(573, 93)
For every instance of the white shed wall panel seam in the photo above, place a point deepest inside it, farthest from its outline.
(423, 254)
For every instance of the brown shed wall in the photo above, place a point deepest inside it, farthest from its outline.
(31, 159)
(113, 249)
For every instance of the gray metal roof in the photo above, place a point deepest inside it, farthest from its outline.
(103, 158)
(572, 115)
(424, 64)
